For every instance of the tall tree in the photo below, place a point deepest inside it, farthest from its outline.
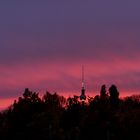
(114, 95)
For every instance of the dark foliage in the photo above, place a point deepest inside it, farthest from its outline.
(52, 117)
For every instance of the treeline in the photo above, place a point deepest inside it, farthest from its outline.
(52, 117)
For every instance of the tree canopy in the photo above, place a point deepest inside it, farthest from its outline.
(53, 117)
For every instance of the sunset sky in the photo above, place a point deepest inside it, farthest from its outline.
(44, 43)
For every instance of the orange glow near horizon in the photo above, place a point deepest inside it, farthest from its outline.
(65, 78)
(5, 103)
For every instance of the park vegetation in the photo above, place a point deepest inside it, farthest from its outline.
(53, 117)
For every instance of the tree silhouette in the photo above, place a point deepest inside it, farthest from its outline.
(103, 93)
(114, 95)
(53, 117)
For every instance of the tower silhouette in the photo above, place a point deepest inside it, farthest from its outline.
(83, 96)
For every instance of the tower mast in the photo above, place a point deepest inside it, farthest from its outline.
(83, 96)
(83, 76)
